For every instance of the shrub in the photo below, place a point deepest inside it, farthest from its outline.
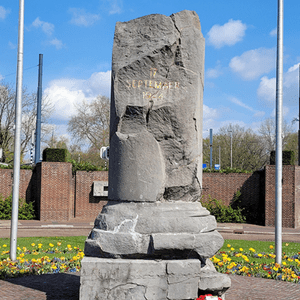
(85, 166)
(55, 155)
(26, 210)
(222, 212)
(226, 170)
(288, 157)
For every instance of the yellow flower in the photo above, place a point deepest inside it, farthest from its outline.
(271, 247)
(284, 263)
(54, 267)
(241, 249)
(277, 265)
(244, 269)
(228, 245)
(238, 254)
(232, 249)
(215, 259)
(259, 255)
(275, 269)
(40, 246)
(63, 258)
(286, 244)
(69, 246)
(58, 243)
(18, 248)
(33, 244)
(51, 245)
(22, 255)
(4, 246)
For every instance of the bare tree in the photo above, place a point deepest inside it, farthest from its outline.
(91, 122)
(268, 135)
(7, 119)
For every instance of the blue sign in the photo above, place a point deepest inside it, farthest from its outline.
(217, 167)
(204, 166)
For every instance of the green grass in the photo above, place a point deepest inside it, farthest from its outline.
(45, 249)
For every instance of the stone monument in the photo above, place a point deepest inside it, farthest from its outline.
(153, 239)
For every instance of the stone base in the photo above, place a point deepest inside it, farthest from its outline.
(137, 279)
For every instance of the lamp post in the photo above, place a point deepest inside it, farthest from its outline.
(230, 148)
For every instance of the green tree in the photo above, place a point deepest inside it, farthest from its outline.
(248, 153)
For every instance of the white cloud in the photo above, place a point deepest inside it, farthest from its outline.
(228, 34)
(65, 93)
(115, 6)
(267, 87)
(214, 72)
(55, 42)
(209, 113)
(273, 32)
(3, 12)
(82, 18)
(254, 63)
(238, 102)
(46, 27)
(11, 45)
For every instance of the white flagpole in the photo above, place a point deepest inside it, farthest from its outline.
(278, 176)
(17, 148)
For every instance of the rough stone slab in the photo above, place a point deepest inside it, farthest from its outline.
(205, 244)
(121, 242)
(159, 217)
(212, 281)
(111, 279)
(156, 109)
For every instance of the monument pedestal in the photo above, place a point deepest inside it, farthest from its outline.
(153, 239)
(138, 279)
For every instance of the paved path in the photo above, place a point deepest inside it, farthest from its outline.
(66, 286)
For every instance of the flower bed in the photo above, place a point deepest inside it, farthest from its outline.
(258, 264)
(63, 259)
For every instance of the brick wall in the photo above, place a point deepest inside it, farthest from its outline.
(56, 196)
(6, 182)
(290, 196)
(86, 205)
(223, 187)
(59, 196)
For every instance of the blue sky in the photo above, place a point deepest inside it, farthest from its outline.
(75, 38)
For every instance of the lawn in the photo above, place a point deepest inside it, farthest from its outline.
(43, 255)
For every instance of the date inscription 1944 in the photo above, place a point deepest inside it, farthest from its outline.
(158, 86)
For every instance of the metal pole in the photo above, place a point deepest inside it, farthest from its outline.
(299, 122)
(278, 159)
(17, 147)
(220, 156)
(39, 113)
(210, 145)
(230, 148)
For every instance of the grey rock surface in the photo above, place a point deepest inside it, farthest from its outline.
(159, 217)
(156, 109)
(205, 244)
(139, 279)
